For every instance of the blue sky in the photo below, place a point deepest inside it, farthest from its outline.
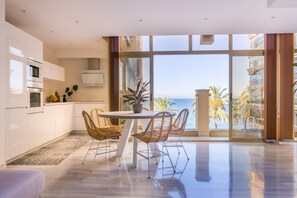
(178, 76)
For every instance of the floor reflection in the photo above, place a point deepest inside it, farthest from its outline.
(166, 178)
(202, 163)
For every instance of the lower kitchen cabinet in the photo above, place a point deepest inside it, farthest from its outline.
(57, 119)
(16, 132)
(49, 122)
(36, 134)
(78, 120)
(25, 132)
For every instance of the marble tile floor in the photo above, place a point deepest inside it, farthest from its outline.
(215, 169)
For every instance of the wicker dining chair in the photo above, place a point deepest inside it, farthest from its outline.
(107, 134)
(103, 122)
(178, 127)
(157, 130)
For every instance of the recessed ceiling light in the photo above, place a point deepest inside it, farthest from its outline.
(140, 20)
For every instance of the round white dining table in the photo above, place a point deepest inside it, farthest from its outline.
(130, 119)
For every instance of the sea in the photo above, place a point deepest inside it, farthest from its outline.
(182, 103)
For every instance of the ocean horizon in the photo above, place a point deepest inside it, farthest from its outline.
(182, 103)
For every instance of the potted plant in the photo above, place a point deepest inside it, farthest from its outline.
(69, 92)
(138, 96)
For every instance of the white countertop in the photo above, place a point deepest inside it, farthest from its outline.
(67, 103)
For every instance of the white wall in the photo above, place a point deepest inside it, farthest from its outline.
(73, 66)
(72, 76)
(2, 85)
(50, 55)
(74, 60)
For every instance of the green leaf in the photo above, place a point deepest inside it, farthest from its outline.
(75, 87)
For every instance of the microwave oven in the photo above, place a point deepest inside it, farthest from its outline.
(34, 71)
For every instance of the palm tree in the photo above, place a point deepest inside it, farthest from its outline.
(217, 101)
(164, 104)
(241, 107)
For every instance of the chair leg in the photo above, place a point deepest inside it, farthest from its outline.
(148, 160)
(176, 143)
(96, 151)
(162, 153)
(155, 147)
(168, 156)
(106, 145)
(183, 148)
(87, 152)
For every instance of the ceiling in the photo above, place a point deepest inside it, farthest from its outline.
(81, 24)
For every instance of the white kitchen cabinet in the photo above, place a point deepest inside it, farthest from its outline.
(53, 72)
(49, 122)
(15, 70)
(34, 49)
(16, 132)
(78, 121)
(16, 87)
(68, 118)
(36, 133)
(58, 119)
(31, 47)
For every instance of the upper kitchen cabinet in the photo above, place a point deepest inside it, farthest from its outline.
(19, 47)
(23, 44)
(16, 86)
(53, 72)
(35, 49)
(15, 69)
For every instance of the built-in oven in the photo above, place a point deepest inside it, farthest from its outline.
(34, 71)
(35, 97)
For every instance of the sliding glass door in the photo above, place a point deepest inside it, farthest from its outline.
(247, 97)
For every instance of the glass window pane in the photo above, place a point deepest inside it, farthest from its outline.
(134, 43)
(171, 43)
(248, 96)
(185, 74)
(248, 41)
(221, 42)
(132, 70)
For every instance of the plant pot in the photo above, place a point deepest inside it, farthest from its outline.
(137, 108)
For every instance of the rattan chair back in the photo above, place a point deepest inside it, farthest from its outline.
(91, 127)
(99, 121)
(180, 122)
(159, 127)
